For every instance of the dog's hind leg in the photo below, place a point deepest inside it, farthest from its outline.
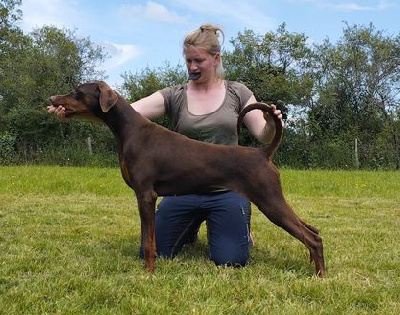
(280, 213)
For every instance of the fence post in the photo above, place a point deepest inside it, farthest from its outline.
(89, 144)
(356, 160)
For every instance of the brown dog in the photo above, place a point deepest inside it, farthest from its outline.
(156, 162)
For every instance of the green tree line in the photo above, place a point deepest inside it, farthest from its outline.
(340, 99)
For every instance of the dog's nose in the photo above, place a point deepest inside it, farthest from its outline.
(52, 99)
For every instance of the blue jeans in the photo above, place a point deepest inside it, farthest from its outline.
(227, 215)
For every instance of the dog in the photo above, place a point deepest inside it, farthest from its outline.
(155, 161)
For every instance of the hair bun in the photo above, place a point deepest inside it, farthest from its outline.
(208, 27)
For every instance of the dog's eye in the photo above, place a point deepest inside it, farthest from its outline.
(78, 95)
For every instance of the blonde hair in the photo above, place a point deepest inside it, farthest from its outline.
(207, 37)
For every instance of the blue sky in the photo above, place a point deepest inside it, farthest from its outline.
(137, 34)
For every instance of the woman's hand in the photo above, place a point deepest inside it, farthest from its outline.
(261, 124)
(277, 113)
(59, 111)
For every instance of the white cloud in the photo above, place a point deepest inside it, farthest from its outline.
(59, 13)
(152, 11)
(385, 5)
(119, 54)
(350, 6)
(240, 13)
(72, 15)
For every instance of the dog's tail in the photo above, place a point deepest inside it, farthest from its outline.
(273, 146)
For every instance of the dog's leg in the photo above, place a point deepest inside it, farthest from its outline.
(147, 203)
(283, 216)
(279, 212)
(267, 195)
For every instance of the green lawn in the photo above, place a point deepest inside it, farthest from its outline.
(69, 240)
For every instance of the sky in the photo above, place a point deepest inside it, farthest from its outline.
(140, 33)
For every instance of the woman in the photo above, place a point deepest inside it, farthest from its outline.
(206, 109)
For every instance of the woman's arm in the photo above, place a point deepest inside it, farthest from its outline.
(151, 106)
(261, 126)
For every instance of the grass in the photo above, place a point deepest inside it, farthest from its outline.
(69, 240)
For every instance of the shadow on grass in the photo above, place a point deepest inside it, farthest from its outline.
(280, 261)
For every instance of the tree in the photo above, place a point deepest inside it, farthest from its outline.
(275, 67)
(11, 40)
(9, 15)
(271, 65)
(147, 81)
(357, 90)
(45, 62)
(10, 50)
(62, 61)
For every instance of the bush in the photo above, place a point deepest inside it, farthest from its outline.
(7, 148)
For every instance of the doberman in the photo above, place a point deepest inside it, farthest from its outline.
(155, 161)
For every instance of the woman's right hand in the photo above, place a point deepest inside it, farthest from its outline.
(59, 111)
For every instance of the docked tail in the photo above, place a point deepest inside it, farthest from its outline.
(273, 146)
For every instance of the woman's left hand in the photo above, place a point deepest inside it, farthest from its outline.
(277, 113)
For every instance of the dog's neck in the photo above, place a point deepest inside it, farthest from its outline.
(121, 117)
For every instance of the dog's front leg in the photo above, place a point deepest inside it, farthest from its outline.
(147, 203)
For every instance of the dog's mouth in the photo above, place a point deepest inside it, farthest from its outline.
(61, 101)
(194, 75)
(76, 113)
(68, 112)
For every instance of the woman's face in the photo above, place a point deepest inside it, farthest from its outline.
(200, 64)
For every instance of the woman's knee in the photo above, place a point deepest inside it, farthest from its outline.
(233, 256)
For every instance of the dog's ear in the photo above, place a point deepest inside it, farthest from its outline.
(108, 97)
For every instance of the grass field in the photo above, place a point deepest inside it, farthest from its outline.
(69, 240)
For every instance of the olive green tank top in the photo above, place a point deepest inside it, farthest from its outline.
(218, 126)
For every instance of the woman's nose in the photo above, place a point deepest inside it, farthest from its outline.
(192, 66)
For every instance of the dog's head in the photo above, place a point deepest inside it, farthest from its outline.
(87, 100)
